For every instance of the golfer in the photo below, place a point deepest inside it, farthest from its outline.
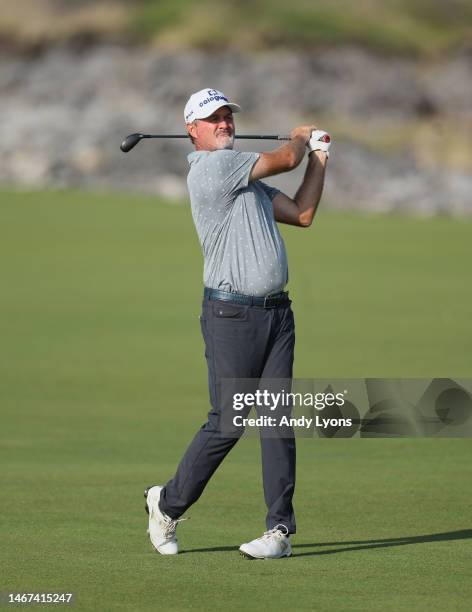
(247, 322)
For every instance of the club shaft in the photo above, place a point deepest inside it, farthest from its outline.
(246, 136)
(132, 140)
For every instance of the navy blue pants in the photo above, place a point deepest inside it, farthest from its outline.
(244, 342)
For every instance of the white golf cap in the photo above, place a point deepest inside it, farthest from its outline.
(205, 102)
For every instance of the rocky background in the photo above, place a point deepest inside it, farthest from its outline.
(401, 126)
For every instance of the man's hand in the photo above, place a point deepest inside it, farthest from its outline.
(303, 132)
(320, 141)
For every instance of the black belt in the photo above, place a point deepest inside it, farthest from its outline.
(270, 301)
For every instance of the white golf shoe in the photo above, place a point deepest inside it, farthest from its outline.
(272, 545)
(161, 527)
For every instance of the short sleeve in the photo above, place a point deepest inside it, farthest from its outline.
(229, 171)
(270, 191)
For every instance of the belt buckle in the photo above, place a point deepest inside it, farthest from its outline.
(267, 297)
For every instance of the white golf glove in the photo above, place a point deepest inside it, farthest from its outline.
(319, 141)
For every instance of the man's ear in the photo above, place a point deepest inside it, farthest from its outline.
(192, 130)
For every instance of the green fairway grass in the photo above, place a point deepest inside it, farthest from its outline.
(103, 383)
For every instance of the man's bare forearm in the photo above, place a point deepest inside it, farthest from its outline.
(297, 148)
(309, 193)
(284, 158)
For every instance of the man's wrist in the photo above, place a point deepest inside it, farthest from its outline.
(319, 155)
(299, 140)
(298, 145)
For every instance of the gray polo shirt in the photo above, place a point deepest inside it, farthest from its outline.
(242, 248)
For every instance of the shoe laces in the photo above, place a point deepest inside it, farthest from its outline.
(171, 525)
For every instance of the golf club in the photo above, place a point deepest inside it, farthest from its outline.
(132, 140)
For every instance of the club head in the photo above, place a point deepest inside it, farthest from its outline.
(130, 141)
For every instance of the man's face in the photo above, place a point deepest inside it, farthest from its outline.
(214, 132)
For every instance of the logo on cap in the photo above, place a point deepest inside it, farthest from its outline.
(211, 98)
